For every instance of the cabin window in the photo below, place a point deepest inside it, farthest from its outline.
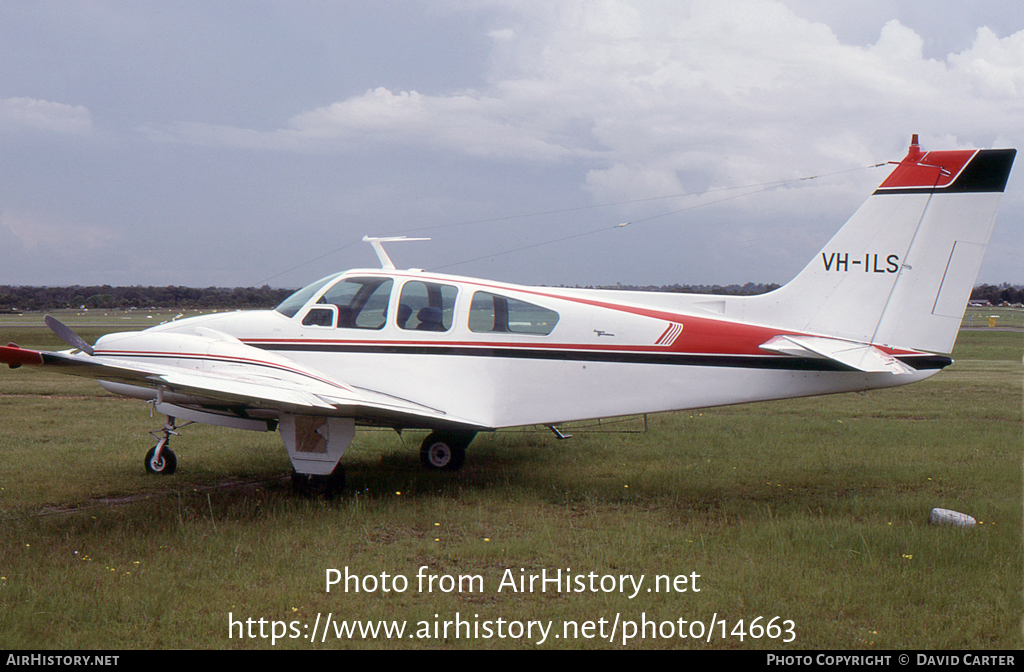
(362, 303)
(493, 313)
(426, 306)
(325, 316)
(294, 303)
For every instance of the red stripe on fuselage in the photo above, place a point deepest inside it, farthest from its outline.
(699, 335)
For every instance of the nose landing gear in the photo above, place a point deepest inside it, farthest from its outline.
(161, 459)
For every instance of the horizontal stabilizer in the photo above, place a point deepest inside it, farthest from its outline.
(860, 356)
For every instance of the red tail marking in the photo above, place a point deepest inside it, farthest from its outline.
(927, 169)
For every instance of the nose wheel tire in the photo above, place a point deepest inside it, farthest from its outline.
(160, 459)
(444, 451)
(165, 465)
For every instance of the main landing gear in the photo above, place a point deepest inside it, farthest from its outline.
(161, 459)
(445, 450)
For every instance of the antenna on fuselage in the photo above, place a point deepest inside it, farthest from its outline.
(385, 260)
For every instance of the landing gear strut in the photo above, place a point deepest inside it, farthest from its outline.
(445, 450)
(161, 459)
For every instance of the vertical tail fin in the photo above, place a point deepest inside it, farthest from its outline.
(900, 272)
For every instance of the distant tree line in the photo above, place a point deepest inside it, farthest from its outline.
(999, 294)
(18, 298)
(14, 298)
(736, 290)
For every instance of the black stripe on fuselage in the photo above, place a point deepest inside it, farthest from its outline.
(784, 362)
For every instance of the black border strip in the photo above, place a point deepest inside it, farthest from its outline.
(780, 362)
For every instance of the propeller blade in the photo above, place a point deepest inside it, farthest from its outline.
(65, 334)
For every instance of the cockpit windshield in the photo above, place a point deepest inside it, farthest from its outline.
(361, 303)
(296, 301)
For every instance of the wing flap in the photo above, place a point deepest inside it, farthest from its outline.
(237, 390)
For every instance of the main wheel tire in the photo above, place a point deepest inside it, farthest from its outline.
(165, 466)
(444, 451)
(333, 485)
(329, 486)
(300, 483)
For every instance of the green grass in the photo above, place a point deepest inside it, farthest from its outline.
(1004, 317)
(812, 510)
(30, 331)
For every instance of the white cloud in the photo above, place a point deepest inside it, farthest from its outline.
(475, 124)
(738, 85)
(648, 98)
(22, 113)
(502, 35)
(993, 66)
(476, 110)
(468, 122)
(35, 232)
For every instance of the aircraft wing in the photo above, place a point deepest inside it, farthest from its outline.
(216, 374)
(854, 354)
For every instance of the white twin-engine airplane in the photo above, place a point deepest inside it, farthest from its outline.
(458, 355)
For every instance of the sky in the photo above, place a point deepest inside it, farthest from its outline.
(250, 143)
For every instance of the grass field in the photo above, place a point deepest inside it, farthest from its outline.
(814, 511)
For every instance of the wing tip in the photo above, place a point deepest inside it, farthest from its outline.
(14, 356)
